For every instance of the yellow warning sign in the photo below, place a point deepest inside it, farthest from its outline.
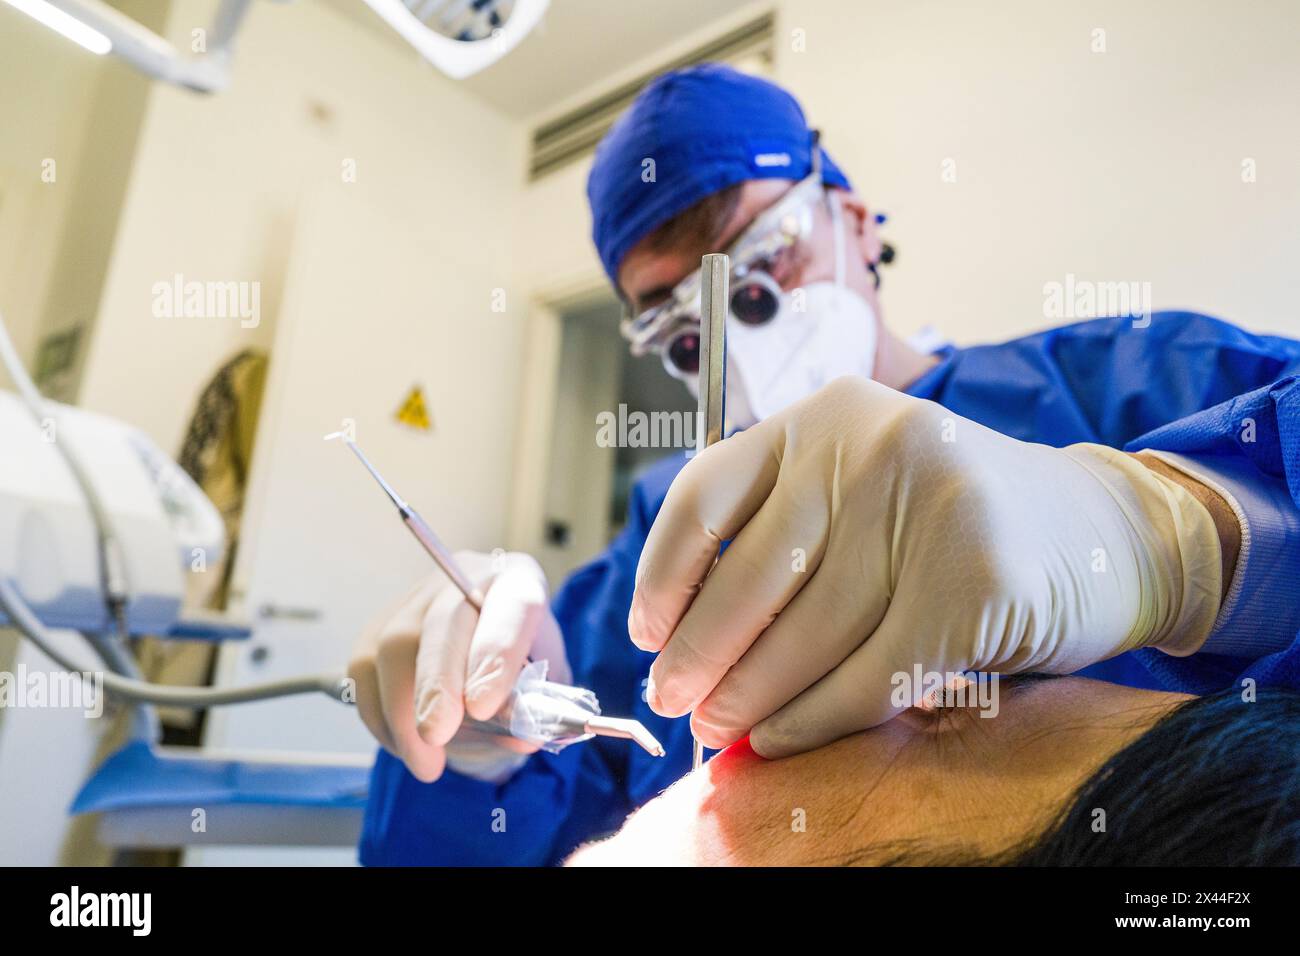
(414, 413)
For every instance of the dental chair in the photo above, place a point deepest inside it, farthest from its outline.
(99, 530)
(149, 795)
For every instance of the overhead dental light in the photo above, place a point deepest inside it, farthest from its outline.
(60, 22)
(461, 37)
(102, 29)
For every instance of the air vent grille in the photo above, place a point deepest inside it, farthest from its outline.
(576, 133)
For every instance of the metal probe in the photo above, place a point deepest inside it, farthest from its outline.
(715, 271)
(596, 724)
(423, 533)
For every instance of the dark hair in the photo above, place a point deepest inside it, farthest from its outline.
(699, 226)
(1215, 783)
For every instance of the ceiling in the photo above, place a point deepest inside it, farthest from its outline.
(580, 45)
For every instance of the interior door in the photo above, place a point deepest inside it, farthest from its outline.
(324, 550)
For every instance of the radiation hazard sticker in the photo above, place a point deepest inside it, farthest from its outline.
(414, 413)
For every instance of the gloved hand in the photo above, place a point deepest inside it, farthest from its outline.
(871, 532)
(432, 659)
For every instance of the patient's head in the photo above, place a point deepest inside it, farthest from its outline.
(1071, 771)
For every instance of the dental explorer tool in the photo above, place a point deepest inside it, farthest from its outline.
(714, 275)
(541, 711)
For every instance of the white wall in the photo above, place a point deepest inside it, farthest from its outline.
(1123, 165)
(108, 149)
(47, 86)
(218, 183)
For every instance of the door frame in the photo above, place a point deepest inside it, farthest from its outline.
(535, 428)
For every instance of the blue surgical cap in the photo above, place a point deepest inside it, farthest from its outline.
(689, 134)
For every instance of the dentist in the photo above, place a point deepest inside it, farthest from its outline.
(1115, 497)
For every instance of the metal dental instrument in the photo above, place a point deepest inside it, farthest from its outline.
(423, 533)
(714, 275)
(543, 712)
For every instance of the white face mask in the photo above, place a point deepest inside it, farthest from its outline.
(772, 367)
(822, 331)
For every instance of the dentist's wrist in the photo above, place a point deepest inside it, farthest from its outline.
(1226, 523)
(1166, 544)
(1261, 612)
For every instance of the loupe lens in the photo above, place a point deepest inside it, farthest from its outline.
(754, 304)
(683, 353)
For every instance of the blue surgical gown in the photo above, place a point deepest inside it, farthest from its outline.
(1181, 382)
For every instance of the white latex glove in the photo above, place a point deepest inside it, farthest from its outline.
(431, 660)
(872, 532)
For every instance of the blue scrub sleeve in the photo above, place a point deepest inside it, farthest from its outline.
(460, 821)
(1261, 611)
(1248, 449)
